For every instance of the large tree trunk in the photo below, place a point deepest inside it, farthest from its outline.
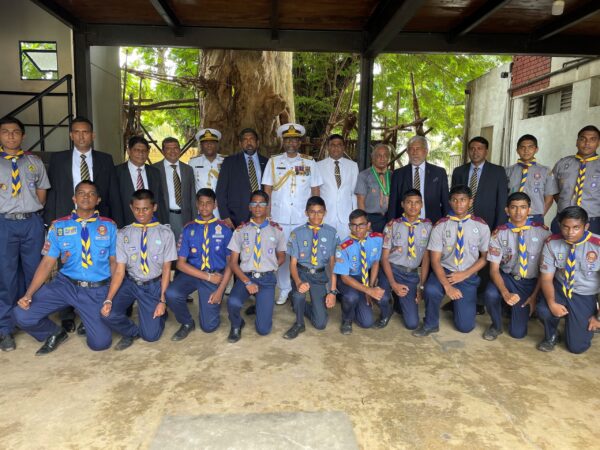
(247, 89)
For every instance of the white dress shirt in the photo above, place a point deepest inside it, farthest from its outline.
(76, 165)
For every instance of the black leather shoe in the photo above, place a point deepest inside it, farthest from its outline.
(346, 327)
(129, 311)
(251, 310)
(7, 342)
(449, 306)
(81, 330)
(547, 345)
(189, 300)
(68, 325)
(422, 331)
(53, 342)
(183, 331)
(382, 322)
(235, 334)
(125, 342)
(293, 332)
(480, 310)
(491, 333)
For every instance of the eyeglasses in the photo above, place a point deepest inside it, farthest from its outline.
(358, 225)
(255, 204)
(315, 213)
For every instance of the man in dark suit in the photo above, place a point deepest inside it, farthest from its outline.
(240, 175)
(429, 179)
(178, 186)
(136, 174)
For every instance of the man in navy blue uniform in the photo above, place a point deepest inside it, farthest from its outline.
(203, 265)
(85, 243)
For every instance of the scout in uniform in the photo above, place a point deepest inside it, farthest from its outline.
(570, 282)
(357, 266)
(404, 250)
(23, 185)
(290, 179)
(312, 252)
(259, 245)
(86, 245)
(458, 248)
(532, 178)
(203, 265)
(514, 254)
(145, 250)
(576, 179)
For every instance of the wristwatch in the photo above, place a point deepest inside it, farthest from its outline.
(334, 292)
(421, 287)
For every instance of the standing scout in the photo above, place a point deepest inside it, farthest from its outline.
(404, 250)
(207, 165)
(458, 247)
(259, 245)
(357, 264)
(23, 185)
(570, 279)
(514, 255)
(145, 250)
(203, 265)
(85, 243)
(312, 250)
(532, 178)
(290, 178)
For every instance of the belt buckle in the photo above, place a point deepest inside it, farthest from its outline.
(517, 277)
(312, 271)
(256, 275)
(19, 216)
(83, 284)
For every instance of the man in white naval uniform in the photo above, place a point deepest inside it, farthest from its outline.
(208, 164)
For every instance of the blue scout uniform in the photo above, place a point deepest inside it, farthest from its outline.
(558, 257)
(258, 260)
(21, 228)
(348, 262)
(82, 281)
(143, 250)
(518, 252)
(204, 245)
(536, 180)
(445, 239)
(407, 243)
(312, 266)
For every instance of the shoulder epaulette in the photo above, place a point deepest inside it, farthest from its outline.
(426, 220)
(442, 220)
(189, 223)
(106, 219)
(539, 225)
(222, 222)
(595, 240)
(241, 225)
(275, 224)
(501, 227)
(303, 156)
(391, 222)
(346, 244)
(478, 219)
(375, 234)
(61, 219)
(554, 237)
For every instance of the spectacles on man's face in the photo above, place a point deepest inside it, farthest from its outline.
(261, 204)
(358, 225)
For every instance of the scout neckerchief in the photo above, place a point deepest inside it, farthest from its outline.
(525, 172)
(570, 267)
(522, 245)
(459, 248)
(15, 178)
(384, 188)
(144, 243)
(581, 177)
(256, 252)
(315, 242)
(86, 254)
(205, 242)
(364, 271)
(412, 252)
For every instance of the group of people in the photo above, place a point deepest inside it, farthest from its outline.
(374, 239)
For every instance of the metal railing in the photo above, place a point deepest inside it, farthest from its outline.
(37, 99)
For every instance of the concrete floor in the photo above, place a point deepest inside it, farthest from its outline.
(447, 390)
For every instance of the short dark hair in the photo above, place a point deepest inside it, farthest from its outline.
(411, 193)
(357, 213)
(461, 189)
(333, 136)
(169, 140)
(260, 193)
(573, 212)
(481, 140)
(137, 140)
(518, 196)
(206, 192)
(315, 200)
(10, 119)
(142, 194)
(81, 119)
(589, 128)
(527, 137)
(89, 183)
(248, 130)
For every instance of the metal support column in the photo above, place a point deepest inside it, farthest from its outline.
(83, 74)
(365, 110)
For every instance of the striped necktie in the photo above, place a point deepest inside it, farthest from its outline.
(578, 194)
(412, 251)
(459, 248)
(257, 251)
(84, 170)
(315, 243)
(567, 287)
(177, 185)
(525, 172)
(252, 174)
(338, 176)
(205, 242)
(140, 181)
(144, 243)
(86, 253)
(364, 269)
(417, 180)
(522, 246)
(15, 177)
(473, 184)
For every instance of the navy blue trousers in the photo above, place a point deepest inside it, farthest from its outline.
(265, 302)
(581, 308)
(464, 309)
(519, 316)
(315, 310)
(55, 296)
(21, 243)
(355, 307)
(147, 297)
(179, 290)
(410, 309)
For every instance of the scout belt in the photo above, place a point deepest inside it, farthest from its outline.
(311, 270)
(144, 283)
(17, 216)
(258, 274)
(403, 269)
(89, 284)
